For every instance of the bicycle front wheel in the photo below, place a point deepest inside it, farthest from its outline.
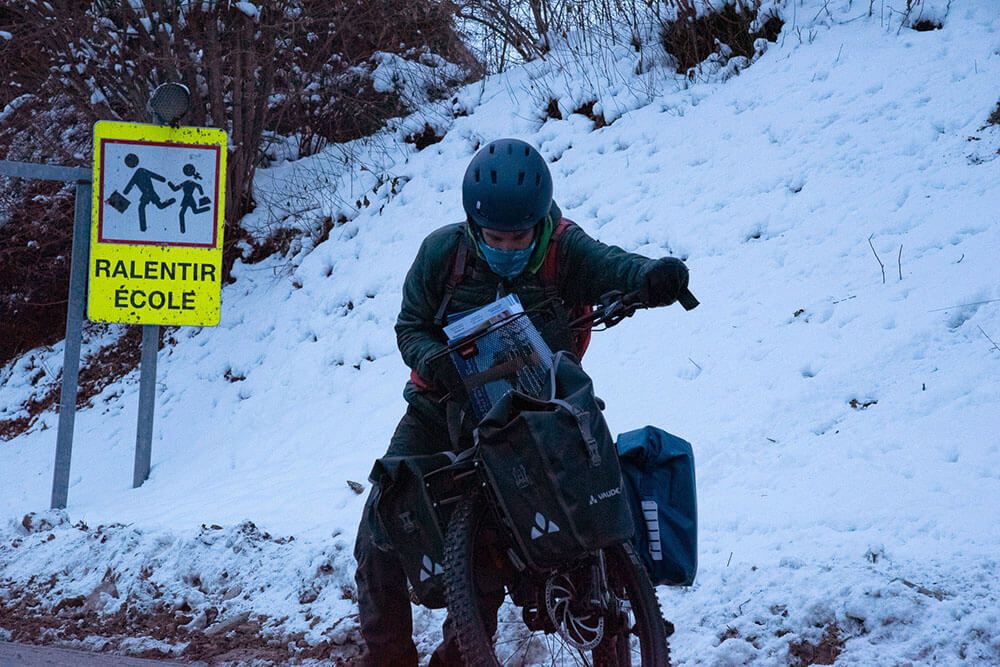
(565, 631)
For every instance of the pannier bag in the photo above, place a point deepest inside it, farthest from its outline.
(659, 479)
(404, 519)
(553, 468)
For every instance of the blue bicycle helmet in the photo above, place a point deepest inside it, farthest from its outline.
(507, 186)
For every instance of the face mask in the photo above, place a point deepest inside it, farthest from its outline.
(506, 263)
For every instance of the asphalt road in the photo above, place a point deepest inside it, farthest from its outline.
(24, 655)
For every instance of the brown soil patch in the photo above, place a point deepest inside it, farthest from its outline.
(825, 652)
(237, 639)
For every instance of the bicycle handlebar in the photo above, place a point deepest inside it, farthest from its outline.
(616, 306)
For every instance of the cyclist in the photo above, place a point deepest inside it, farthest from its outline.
(514, 240)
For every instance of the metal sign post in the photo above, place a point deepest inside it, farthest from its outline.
(156, 241)
(133, 261)
(147, 404)
(74, 310)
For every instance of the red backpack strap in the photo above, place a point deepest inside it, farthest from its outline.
(548, 274)
(459, 264)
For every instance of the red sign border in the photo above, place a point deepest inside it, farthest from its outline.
(172, 144)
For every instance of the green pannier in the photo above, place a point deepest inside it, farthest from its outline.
(553, 468)
(405, 520)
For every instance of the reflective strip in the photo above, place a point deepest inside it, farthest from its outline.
(650, 512)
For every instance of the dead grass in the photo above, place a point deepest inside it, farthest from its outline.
(426, 137)
(926, 25)
(588, 111)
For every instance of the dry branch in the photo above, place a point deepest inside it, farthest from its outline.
(877, 257)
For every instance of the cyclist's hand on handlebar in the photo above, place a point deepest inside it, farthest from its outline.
(664, 281)
(445, 375)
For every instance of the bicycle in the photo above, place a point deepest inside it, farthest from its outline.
(597, 608)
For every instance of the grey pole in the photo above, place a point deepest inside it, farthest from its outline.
(147, 403)
(74, 334)
(79, 259)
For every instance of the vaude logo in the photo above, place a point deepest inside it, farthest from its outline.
(428, 569)
(604, 495)
(543, 526)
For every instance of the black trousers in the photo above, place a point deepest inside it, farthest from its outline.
(383, 593)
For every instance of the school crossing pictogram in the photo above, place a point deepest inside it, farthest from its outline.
(156, 243)
(142, 179)
(160, 194)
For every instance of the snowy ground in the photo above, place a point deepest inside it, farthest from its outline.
(845, 421)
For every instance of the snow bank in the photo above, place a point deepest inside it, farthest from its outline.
(844, 423)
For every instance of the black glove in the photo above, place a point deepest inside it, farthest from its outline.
(664, 282)
(445, 376)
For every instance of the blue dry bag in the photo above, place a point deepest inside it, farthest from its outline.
(658, 469)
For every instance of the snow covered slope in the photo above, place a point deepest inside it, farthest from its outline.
(845, 420)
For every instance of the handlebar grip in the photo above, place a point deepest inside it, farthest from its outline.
(632, 298)
(688, 300)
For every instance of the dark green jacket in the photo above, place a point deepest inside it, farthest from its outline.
(587, 270)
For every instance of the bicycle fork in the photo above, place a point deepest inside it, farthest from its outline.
(604, 599)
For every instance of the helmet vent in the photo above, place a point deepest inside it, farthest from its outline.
(493, 176)
(476, 175)
(538, 180)
(520, 178)
(527, 151)
(510, 149)
(492, 149)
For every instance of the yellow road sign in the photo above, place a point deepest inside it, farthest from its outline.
(156, 236)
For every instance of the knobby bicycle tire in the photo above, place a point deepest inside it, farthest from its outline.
(626, 575)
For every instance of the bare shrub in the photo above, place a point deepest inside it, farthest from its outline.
(34, 269)
(323, 96)
(296, 67)
(994, 118)
(282, 68)
(691, 38)
(510, 31)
